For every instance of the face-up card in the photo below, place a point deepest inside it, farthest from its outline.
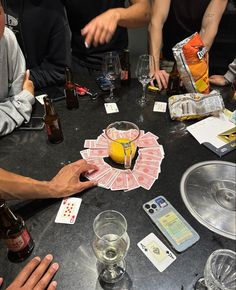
(68, 210)
(160, 107)
(153, 248)
(111, 108)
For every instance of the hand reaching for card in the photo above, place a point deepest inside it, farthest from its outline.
(67, 181)
(36, 274)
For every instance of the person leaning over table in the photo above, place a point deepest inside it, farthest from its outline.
(16, 90)
(101, 26)
(228, 78)
(42, 31)
(174, 20)
(37, 274)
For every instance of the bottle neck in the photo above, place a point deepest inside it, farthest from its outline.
(68, 75)
(48, 107)
(7, 218)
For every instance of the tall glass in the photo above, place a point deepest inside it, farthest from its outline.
(111, 69)
(110, 245)
(144, 73)
(219, 272)
(122, 138)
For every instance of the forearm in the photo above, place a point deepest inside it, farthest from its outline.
(155, 43)
(211, 20)
(136, 15)
(14, 186)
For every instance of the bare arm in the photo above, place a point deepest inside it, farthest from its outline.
(65, 183)
(211, 20)
(160, 10)
(101, 29)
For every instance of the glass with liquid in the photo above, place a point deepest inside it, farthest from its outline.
(110, 244)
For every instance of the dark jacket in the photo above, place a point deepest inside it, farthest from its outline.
(43, 34)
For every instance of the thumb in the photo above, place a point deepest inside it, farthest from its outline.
(27, 75)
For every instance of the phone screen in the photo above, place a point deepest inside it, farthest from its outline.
(35, 123)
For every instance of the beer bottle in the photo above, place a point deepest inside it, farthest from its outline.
(125, 68)
(173, 87)
(70, 93)
(52, 122)
(15, 234)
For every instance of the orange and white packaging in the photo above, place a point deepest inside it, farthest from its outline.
(192, 61)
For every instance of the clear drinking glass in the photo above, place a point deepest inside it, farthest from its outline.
(110, 245)
(111, 70)
(219, 272)
(144, 73)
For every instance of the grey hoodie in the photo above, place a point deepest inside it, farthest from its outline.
(15, 103)
(231, 73)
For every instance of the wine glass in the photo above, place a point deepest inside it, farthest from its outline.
(219, 272)
(111, 69)
(144, 73)
(110, 245)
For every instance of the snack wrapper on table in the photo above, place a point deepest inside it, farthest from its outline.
(195, 105)
(192, 62)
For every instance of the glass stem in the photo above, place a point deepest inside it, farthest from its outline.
(144, 93)
(111, 92)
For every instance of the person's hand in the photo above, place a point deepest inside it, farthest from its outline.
(28, 84)
(218, 80)
(1, 280)
(162, 78)
(67, 181)
(36, 275)
(101, 29)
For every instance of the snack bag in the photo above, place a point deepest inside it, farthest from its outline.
(192, 61)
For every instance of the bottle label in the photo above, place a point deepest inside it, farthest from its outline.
(53, 125)
(18, 243)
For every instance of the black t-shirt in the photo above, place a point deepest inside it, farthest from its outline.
(80, 13)
(184, 19)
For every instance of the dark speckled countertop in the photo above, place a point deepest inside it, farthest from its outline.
(29, 154)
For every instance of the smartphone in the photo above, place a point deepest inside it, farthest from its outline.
(172, 225)
(103, 83)
(35, 123)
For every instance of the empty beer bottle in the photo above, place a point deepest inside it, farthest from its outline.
(70, 93)
(15, 234)
(173, 87)
(52, 122)
(125, 68)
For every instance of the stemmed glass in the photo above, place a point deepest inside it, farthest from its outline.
(110, 245)
(219, 272)
(144, 73)
(111, 69)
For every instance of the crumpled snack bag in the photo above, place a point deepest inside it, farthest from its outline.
(192, 61)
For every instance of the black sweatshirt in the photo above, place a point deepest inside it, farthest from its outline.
(43, 34)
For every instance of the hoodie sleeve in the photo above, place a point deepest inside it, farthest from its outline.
(17, 106)
(52, 69)
(231, 73)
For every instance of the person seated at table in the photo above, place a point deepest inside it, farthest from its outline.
(101, 26)
(65, 183)
(16, 89)
(228, 78)
(174, 20)
(42, 31)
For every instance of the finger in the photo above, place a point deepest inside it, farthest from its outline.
(103, 37)
(159, 82)
(88, 33)
(86, 184)
(52, 285)
(47, 277)
(1, 280)
(97, 36)
(39, 272)
(163, 80)
(24, 274)
(27, 75)
(109, 36)
(88, 167)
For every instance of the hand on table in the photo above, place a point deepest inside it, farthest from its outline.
(218, 80)
(162, 78)
(101, 29)
(28, 84)
(67, 181)
(36, 275)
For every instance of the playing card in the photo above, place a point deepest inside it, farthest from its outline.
(132, 183)
(160, 107)
(84, 154)
(105, 179)
(90, 143)
(153, 248)
(147, 142)
(147, 169)
(97, 153)
(148, 135)
(146, 157)
(68, 210)
(154, 163)
(96, 174)
(143, 179)
(153, 151)
(120, 182)
(111, 108)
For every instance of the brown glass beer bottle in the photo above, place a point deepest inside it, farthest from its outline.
(15, 234)
(70, 93)
(125, 68)
(173, 87)
(52, 122)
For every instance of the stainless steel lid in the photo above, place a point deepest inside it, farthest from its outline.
(208, 190)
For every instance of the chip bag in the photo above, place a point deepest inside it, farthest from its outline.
(192, 61)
